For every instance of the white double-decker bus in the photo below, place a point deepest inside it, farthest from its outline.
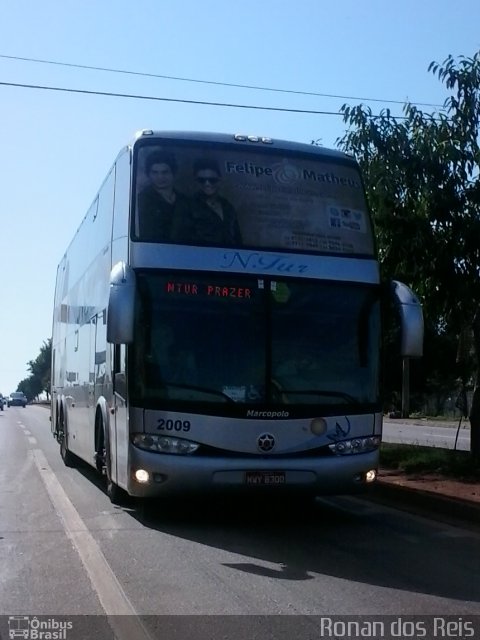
(217, 321)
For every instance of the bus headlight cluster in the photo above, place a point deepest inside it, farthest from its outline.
(164, 444)
(355, 445)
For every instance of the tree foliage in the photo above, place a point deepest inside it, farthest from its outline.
(421, 174)
(39, 380)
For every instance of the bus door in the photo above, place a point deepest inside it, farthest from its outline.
(119, 426)
(92, 376)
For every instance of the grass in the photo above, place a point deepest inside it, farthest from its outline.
(417, 459)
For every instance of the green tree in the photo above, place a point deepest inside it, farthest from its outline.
(39, 380)
(40, 367)
(31, 387)
(421, 175)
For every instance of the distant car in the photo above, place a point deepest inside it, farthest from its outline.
(17, 399)
(3, 402)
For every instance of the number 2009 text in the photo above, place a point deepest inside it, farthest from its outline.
(173, 425)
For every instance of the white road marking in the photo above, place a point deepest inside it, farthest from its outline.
(32, 440)
(115, 602)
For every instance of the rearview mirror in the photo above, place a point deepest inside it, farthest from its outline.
(411, 320)
(121, 304)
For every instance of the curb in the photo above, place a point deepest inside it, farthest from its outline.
(426, 503)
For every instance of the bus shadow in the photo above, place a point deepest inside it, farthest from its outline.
(343, 538)
(363, 544)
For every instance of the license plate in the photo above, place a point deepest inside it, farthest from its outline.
(270, 478)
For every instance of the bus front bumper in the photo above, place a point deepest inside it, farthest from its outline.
(190, 474)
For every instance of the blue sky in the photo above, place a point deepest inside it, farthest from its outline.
(57, 147)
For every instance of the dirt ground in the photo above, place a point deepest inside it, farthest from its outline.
(433, 483)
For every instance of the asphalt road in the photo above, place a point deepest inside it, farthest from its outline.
(66, 550)
(427, 434)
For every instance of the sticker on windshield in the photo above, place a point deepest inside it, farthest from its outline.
(280, 292)
(347, 219)
(237, 394)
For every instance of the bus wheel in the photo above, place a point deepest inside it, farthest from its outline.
(116, 494)
(69, 459)
(100, 451)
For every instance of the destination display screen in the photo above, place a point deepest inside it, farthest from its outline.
(179, 289)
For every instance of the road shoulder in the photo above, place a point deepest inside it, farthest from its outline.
(429, 494)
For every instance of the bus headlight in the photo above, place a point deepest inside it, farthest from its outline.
(164, 444)
(355, 445)
(142, 476)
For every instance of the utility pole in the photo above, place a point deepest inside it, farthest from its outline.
(475, 408)
(405, 387)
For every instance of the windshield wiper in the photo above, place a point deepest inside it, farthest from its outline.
(320, 392)
(189, 387)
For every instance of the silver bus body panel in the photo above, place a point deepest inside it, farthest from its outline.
(266, 263)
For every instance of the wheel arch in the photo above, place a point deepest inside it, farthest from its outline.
(102, 422)
(62, 414)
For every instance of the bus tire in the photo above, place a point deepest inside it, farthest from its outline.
(116, 494)
(100, 450)
(69, 458)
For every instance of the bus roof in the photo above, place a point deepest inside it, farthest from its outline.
(241, 139)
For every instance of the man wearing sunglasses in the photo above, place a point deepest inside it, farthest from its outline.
(214, 217)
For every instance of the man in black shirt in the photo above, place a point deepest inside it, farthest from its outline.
(164, 213)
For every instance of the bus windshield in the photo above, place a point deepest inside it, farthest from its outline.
(240, 340)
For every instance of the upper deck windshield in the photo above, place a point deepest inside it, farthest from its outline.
(243, 341)
(221, 195)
